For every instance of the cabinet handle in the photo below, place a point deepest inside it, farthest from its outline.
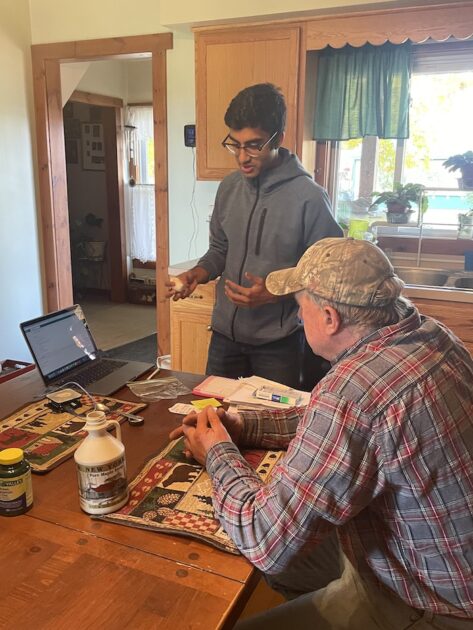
(209, 327)
(196, 296)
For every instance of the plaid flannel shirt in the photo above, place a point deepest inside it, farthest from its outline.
(383, 452)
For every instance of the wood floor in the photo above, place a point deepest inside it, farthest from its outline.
(114, 324)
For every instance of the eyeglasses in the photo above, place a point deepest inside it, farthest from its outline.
(253, 149)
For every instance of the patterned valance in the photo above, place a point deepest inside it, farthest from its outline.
(417, 24)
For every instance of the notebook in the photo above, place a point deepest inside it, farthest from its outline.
(216, 387)
(64, 350)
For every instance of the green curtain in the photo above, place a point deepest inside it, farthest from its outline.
(363, 92)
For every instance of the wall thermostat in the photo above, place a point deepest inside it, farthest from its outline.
(189, 135)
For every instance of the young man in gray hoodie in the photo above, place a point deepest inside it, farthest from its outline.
(265, 216)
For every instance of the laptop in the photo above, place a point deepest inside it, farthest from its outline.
(64, 351)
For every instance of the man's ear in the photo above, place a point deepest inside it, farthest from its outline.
(278, 140)
(332, 320)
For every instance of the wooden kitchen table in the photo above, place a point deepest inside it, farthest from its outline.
(60, 568)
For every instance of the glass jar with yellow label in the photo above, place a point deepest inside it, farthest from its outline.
(16, 492)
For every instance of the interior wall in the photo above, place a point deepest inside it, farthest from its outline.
(182, 13)
(20, 263)
(139, 80)
(190, 201)
(68, 20)
(107, 78)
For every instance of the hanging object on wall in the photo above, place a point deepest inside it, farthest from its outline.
(130, 134)
(93, 147)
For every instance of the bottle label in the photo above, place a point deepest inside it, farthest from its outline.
(16, 494)
(102, 486)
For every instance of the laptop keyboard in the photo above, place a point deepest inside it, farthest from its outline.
(94, 372)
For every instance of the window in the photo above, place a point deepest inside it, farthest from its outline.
(440, 126)
(139, 142)
(139, 192)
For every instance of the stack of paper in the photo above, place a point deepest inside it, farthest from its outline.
(245, 396)
(242, 393)
(216, 387)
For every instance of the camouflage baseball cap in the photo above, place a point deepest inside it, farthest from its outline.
(344, 270)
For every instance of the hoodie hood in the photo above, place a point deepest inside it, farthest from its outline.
(287, 169)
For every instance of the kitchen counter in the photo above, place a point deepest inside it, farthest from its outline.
(177, 268)
(448, 293)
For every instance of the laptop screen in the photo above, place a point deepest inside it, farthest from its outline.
(59, 341)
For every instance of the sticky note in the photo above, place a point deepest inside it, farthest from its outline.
(201, 404)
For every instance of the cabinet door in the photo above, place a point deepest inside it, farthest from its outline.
(228, 61)
(458, 316)
(190, 338)
(190, 329)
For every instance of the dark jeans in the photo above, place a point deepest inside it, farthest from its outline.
(279, 361)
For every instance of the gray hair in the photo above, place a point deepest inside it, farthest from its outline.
(369, 317)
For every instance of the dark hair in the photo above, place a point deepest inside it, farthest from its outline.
(261, 105)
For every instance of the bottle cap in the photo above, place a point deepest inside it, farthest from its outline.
(10, 456)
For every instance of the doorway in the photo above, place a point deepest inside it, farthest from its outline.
(52, 163)
(92, 146)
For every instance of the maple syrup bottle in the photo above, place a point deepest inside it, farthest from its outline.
(101, 467)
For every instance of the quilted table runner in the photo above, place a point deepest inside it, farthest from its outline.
(49, 437)
(174, 495)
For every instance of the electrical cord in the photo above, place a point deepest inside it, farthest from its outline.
(195, 222)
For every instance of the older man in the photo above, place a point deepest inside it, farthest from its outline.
(383, 454)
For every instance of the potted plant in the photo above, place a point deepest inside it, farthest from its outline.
(464, 163)
(398, 201)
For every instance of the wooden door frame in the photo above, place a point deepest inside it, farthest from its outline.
(46, 60)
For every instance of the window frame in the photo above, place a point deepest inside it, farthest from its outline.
(427, 58)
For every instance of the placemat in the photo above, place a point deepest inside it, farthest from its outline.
(49, 437)
(174, 495)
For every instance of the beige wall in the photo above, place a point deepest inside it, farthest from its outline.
(175, 13)
(139, 81)
(64, 20)
(20, 264)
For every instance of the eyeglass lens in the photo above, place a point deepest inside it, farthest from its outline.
(251, 150)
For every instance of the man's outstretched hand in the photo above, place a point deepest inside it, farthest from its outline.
(205, 429)
(254, 295)
(181, 286)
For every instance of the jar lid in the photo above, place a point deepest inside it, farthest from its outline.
(10, 456)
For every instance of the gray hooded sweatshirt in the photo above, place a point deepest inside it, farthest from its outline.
(259, 225)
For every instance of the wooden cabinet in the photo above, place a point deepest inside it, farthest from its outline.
(228, 60)
(190, 329)
(458, 316)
